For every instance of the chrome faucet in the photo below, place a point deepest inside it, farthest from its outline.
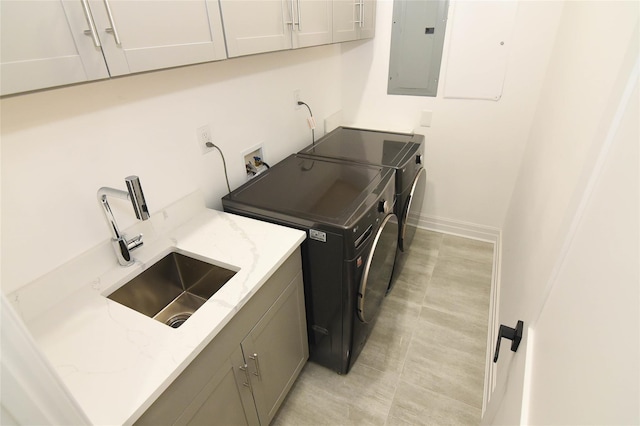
(134, 193)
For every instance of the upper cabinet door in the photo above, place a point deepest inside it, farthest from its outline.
(353, 19)
(367, 24)
(40, 48)
(256, 26)
(154, 34)
(345, 25)
(313, 22)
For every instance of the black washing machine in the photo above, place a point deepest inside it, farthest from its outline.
(347, 211)
(401, 151)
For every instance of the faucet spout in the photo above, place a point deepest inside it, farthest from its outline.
(122, 246)
(137, 197)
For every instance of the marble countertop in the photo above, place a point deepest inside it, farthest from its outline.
(116, 361)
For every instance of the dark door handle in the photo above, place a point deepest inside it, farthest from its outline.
(513, 334)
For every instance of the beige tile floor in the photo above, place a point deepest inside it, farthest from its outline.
(424, 361)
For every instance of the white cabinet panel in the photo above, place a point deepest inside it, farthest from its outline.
(353, 19)
(158, 33)
(256, 26)
(344, 20)
(368, 17)
(47, 43)
(39, 50)
(313, 23)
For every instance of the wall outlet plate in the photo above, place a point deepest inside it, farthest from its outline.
(296, 98)
(204, 137)
(425, 118)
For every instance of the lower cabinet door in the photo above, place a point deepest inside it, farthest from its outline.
(225, 400)
(276, 349)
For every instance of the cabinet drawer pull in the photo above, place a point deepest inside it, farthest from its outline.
(360, 6)
(291, 13)
(92, 27)
(245, 369)
(112, 29)
(254, 358)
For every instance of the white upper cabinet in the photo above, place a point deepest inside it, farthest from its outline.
(146, 35)
(353, 19)
(48, 43)
(313, 23)
(39, 50)
(257, 26)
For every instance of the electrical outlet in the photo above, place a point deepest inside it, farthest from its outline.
(296, 98)
(204, 137)
(425, 118)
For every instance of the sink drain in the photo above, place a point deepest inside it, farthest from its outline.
(177, 320)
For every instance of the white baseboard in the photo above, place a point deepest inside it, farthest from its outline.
(459, 228)
(493, 325)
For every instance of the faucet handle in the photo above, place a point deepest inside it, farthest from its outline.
(134, 242)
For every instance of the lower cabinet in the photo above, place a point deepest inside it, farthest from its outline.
(244, 374)
(224, 400)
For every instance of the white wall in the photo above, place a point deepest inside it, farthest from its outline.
(582, 90)
(586, 356)
(473, 147)
(59, 146)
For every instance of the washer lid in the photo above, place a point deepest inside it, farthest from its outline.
(365, 146)
(315, 189)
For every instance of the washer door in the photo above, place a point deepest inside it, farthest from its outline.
(378, 269)
(412, 208)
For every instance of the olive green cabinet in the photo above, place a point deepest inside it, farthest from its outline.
(275, 351)
(244, 374)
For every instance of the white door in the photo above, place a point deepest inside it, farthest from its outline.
(313, 22)
(44, 45)
(146, 35)
(577, 223)
(583, 363)
(257, 26)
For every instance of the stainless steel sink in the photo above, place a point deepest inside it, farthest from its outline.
(173, 288)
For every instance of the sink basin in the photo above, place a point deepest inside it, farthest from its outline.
(173, 288)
